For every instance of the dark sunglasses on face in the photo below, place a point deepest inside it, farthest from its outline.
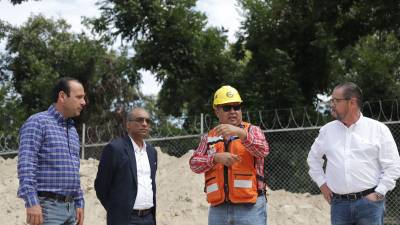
(228, 108)
(141, 120)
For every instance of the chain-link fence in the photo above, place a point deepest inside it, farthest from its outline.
(286, 164)
(288, 169)
(8, 144)
(290, 139)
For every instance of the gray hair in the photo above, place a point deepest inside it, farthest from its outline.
(129, 115)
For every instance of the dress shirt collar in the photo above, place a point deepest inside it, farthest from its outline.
(359, 121)
(57, 115)
(136, 146)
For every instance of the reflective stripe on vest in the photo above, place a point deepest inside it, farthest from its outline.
(241, 176)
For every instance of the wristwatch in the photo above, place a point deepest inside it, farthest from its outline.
(379, 196)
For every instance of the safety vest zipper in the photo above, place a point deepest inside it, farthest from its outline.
(226, 186)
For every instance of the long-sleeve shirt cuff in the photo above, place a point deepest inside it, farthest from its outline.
(79, 203)
(381, 189)
(248, 140)
(210, 161)
(320, 182)
(31, 200)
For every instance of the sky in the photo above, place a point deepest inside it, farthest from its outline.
(219, 12)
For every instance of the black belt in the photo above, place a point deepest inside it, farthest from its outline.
(54, 196)
(142, 212)
(354, 196)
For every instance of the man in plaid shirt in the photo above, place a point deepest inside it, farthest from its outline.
(232, 157)
(48, 160)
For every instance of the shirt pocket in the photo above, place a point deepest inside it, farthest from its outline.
(364, 149)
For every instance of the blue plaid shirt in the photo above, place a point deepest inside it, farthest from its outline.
(48, 158)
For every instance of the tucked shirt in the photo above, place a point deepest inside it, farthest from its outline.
(255, 143)
(144, 196)
(48, 158)
(359, 157)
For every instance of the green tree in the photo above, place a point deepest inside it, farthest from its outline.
(374, 64)
(293, 44)
(4, 27)
(42, 50)
(289, 49)
(16, 2)
(10, 113)
(171, 40)
(4, 31)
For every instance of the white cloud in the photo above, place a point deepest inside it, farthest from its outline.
(219, 13)
(222, 13)
(150, 86)
(71, 11)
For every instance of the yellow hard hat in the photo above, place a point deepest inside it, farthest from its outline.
(226, 94)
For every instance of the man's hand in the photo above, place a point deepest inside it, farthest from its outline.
(227, 130)
(79, 216)
(373, 197)
(34, 215)
(226, 158)
(326, 191)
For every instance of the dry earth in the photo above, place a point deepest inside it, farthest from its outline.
(180, 197)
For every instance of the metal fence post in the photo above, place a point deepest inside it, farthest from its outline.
(83, 140)
(201, 123)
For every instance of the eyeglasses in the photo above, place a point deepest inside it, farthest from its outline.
(141, 120)
(228, 108)
(337, 100)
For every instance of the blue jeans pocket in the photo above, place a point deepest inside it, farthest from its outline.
(55, 212)
(362, 212)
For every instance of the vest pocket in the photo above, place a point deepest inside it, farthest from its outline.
(244, 188)
(212, 189)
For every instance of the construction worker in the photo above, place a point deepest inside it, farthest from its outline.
(231, 156)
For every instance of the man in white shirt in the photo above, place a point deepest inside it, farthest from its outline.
(362, 161)
(125, 182)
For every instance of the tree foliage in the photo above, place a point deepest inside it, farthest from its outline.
(16, 2)
(4, 32)
(171, 40)
(42, 50)
(286, 53)
(295, 46)
(374, 64)
(11, 113)
(289, 63)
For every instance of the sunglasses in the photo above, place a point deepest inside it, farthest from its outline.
(141, 120)
(228, 108)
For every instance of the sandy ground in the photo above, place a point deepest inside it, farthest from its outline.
(180, 197)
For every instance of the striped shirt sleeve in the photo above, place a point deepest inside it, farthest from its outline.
(30, 141)
(256, 143)
(200, 161)
(79, 201)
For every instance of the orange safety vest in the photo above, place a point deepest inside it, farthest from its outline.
(236, 184)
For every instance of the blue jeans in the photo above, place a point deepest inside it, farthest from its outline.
(57, 213)
(357, 212)
(239, 214)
